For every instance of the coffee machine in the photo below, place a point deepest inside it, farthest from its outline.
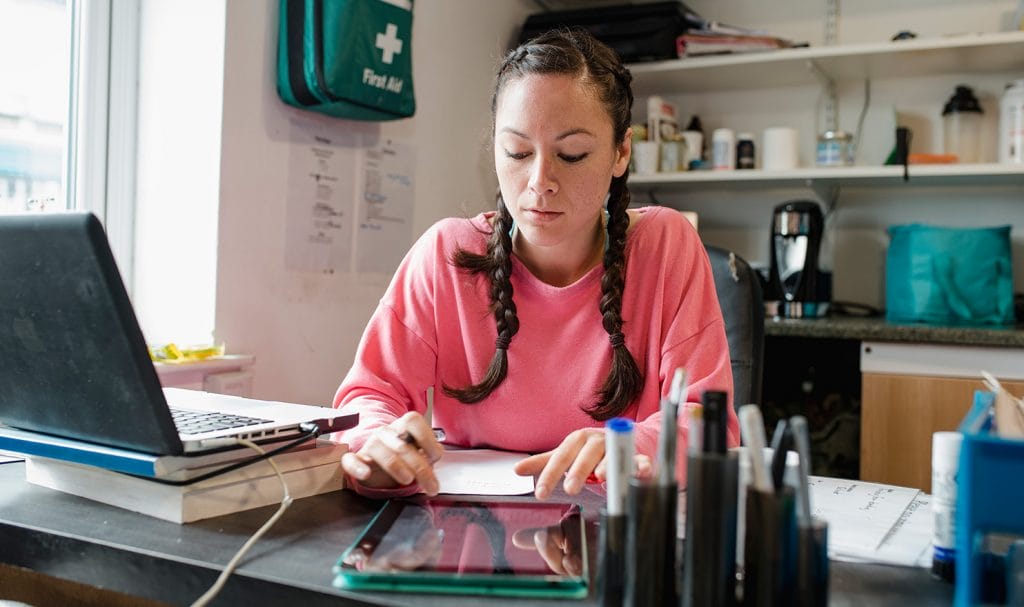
(796, 287)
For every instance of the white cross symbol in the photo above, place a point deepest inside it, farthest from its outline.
(389, 43)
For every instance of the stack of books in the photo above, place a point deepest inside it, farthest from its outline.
(126, 478)
(698, 44)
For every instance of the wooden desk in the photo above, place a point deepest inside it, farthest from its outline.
(74, 539)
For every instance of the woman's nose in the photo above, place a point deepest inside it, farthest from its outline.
(542, 177)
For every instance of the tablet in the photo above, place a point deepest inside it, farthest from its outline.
(457, 546)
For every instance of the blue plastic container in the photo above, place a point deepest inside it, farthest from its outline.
(990, 497)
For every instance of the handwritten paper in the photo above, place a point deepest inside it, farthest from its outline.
(481, 472)
(321, 177)
(860, 515)
(386, 206)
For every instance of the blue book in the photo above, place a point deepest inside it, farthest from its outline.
(118, 460)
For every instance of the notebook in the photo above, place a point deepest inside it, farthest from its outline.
(75, 364)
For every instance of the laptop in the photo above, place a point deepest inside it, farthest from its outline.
(74, 363)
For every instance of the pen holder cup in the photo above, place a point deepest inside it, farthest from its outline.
(812, 565)
(709, 567)
(652, 576)
(612, 559)
(769, 568)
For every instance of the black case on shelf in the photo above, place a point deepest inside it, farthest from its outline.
(637, 32)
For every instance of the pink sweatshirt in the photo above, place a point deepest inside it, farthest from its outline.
(433, 327)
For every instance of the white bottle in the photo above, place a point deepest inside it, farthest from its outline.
(723, 150)
(945, 464)
(1011, 124)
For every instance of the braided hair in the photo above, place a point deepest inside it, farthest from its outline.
(575, 53)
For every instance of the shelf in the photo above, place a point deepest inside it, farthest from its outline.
(948, 174)
(966, 53)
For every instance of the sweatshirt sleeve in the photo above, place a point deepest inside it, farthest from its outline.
(396, 358)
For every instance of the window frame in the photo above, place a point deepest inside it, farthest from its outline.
(101, 134)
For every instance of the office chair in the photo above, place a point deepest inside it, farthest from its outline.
(742, 303)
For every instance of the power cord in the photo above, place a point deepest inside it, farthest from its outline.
(233, 563)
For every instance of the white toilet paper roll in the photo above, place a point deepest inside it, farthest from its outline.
(779, 149)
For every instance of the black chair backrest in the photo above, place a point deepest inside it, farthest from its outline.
(742, 303)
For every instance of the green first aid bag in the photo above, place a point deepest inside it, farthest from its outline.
(347, 58)
(949, 276)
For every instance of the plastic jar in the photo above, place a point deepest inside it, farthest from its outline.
(723, 150)
(961, 125)
(1011, 123)
(835, 148)
(745, 151)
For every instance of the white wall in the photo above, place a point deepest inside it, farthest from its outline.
(303, 327)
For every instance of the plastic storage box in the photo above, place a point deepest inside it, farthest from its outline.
(990, 496)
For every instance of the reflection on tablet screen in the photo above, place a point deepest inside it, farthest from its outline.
(439, 545)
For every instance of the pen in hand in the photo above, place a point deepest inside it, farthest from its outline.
(409, 439)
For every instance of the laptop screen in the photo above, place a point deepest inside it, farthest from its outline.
(75, 363)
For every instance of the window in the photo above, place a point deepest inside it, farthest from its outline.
(66, 66)
(34, 84)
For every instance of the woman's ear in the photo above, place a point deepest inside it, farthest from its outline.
(622, 154)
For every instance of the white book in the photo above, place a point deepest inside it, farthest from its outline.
(250, 487)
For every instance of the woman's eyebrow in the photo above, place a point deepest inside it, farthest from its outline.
(561, 136)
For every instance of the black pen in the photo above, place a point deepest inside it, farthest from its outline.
(781, 444)
(409, 439)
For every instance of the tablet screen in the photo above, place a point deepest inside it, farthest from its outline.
(461, 546)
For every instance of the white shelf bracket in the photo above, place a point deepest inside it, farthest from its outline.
(831, 98)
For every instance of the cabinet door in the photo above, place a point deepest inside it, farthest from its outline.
(899, 413)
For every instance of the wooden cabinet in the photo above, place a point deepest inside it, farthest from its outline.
(899, 413)
(909, 392)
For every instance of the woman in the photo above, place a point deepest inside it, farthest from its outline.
(536, 322)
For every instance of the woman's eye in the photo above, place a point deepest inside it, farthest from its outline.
(516, 155)
(570, 158)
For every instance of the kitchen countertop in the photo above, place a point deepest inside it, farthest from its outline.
(877, 329)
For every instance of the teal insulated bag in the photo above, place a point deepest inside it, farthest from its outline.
(347, 58)
(949, 276)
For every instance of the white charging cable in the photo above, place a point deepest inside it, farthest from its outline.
(233, 563)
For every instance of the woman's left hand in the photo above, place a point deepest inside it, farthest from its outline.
(578, 456)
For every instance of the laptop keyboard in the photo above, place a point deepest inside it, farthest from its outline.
(190, 421)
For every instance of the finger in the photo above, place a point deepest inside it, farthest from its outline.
(644, 466)
(590, 454)
(532, 465)
(355, 467)
(406, 461)
(557, 465)
(420, 433)
(548, 549)
(601, 471)
(524, 538)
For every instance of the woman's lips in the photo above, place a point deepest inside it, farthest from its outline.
(539, 216)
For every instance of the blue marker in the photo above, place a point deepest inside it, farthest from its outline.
(619, 449)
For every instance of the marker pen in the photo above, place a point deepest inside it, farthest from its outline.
(709, 565)
(619, 449)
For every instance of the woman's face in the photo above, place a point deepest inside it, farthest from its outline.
(555, 157)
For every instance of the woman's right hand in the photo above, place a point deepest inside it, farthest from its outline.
(389, 460)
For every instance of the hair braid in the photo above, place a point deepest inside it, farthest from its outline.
(624, 381)
(497, 265)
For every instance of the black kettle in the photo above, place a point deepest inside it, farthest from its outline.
(795, 286)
